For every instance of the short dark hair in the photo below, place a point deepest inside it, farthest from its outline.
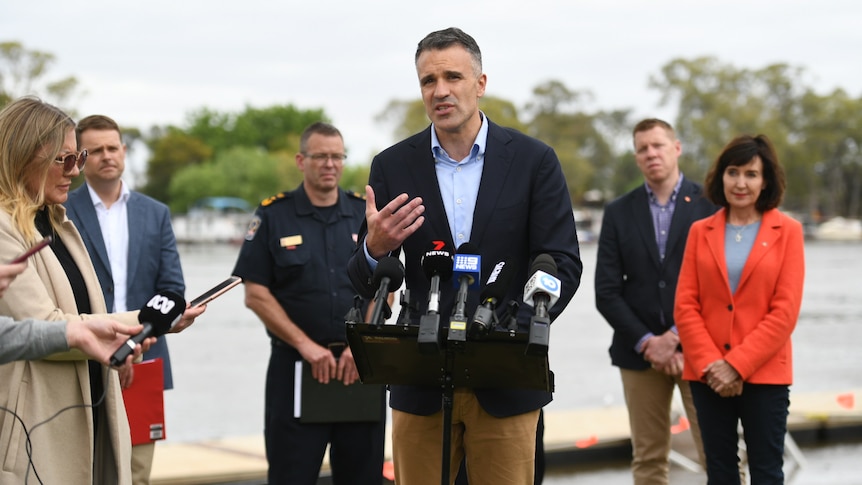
(650, 123)
(738, 152)
(96, 122)
(442, 39)
(319, 127)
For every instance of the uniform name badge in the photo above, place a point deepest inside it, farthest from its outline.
(290, 242)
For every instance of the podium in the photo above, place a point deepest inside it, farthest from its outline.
(390, 354)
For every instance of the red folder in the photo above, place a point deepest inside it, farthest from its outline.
(145, 404)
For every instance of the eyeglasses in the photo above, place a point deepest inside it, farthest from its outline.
(323, 157)
(73, 159)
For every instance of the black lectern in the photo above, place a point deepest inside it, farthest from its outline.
(389, 354)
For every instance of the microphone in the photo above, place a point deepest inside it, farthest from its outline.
(158, 316)
(485, 319)
(388, 277)
(466, 272)
(541, 292)
(437, 264)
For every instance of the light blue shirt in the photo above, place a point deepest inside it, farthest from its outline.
(662, 215)
(458, 181)
(736, 251)
(661, 218)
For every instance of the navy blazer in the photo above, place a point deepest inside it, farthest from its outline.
(154, 263)
(634, 287)
(522, 210)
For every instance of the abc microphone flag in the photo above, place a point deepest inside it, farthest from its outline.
(161, 312)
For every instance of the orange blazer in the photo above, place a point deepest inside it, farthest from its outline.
(751, 328)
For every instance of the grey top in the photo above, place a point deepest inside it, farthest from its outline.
(30, 339)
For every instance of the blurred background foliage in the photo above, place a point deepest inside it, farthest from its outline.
(250, 154)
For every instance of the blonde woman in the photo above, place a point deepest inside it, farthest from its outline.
(84, 444)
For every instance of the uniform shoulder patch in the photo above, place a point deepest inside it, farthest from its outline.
(269, 200)
(253, 226)
(355, 195)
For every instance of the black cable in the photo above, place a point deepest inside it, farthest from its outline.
(28, 444)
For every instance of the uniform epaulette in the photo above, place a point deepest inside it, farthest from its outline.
(274, 198)
(355, 195)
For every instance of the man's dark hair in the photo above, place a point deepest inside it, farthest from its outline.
(443, 39)
(650, 123)
(96, 122)
(319, 127)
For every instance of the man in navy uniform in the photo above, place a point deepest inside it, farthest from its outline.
(293, 264)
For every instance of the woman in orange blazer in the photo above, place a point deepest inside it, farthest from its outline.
(737, 302)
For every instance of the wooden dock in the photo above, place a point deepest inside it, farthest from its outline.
(571, 436)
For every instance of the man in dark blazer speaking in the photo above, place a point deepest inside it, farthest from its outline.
(466, 179)
(130, 241)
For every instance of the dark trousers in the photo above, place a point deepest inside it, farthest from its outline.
(762, 409)
(295, 450)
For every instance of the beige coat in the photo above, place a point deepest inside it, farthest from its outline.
(63, 449)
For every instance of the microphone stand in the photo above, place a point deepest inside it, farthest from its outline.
(448, 403)
(404, 314)
(381, 311)
(460, 364)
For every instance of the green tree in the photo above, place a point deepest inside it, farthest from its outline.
(408, 117)
(503, 112)
(251, 174)
(171, 150)
(717, 101)
(355, 178)
(817, 136)
(25, 72)
(620, 173)
(266, 128)
(580, 138)
(830, 155)
(211, 135)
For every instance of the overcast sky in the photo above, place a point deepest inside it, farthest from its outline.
(150, 62)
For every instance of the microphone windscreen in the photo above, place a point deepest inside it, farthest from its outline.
(162, 311)
(468, 248)
(468, 264)
(544, 262)
(543, 280)
(389, 267)
(499, 282)
(438, 262)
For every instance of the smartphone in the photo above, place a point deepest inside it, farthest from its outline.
(33, 250)
(216, 291)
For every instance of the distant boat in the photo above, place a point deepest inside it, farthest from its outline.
(588, 223)
(839, 229)
(214, 220)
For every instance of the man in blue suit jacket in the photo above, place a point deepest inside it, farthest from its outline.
(130, 241)
(466, 179)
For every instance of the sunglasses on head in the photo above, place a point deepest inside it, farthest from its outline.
(71, 160)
